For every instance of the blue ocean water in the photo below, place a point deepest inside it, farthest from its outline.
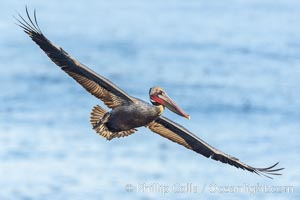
(234, 66)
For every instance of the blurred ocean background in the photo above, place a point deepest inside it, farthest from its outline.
(233, 65)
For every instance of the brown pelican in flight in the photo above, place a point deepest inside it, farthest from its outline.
(128, 113)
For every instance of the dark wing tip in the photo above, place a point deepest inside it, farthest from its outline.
(268, 171)
(29, 26)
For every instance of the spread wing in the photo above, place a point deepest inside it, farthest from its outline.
(176, 133)
(94, 83)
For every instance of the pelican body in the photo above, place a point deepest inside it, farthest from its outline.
(129, 117)
(128, 113)
(132, 116)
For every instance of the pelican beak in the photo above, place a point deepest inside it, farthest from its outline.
(171, 105)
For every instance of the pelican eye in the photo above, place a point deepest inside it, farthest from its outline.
(160, 92)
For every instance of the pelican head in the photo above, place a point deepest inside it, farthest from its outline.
(159, 97)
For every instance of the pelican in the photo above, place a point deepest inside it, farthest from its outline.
(128, 113)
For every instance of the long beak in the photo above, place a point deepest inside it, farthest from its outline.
(171, 105)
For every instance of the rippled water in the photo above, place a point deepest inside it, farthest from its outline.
(232, 65)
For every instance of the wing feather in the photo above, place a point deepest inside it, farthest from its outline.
(176, 133)
(94, 83)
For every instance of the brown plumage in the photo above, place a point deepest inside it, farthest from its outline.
(129, 113)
